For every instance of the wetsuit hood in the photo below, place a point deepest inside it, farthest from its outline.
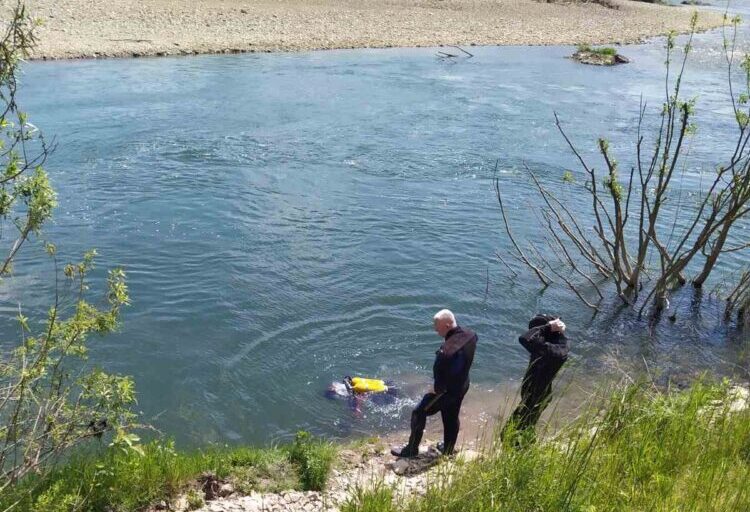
(540, 320)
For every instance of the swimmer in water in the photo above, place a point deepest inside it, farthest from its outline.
(357, 390)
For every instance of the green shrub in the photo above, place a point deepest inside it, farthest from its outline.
(313, 459)
(57, 498)
(194, 499)
(606, 51)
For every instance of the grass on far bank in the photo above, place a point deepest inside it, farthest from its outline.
(121, 481)
(641, 450)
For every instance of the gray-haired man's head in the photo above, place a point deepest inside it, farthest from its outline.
(444, 321)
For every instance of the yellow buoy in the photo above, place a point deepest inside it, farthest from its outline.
(362, 385)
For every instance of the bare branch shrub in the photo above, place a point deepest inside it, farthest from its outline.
(629, 214)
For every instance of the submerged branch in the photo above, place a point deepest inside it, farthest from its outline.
(546, 281)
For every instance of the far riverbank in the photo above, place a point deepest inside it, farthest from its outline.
(120, 28)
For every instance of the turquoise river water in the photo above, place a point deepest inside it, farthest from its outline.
(287, 219)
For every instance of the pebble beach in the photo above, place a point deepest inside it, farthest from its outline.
(126, 28)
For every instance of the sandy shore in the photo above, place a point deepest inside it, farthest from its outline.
(122, 28)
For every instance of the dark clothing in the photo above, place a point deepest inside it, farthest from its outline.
(449, 406)
(548, 352)
(541, 342)
(453, 361)
(451, 373)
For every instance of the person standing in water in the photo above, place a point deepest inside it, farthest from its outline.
(548, 350)
(451, 374)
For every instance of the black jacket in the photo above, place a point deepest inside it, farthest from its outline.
(453, 361)
(542, 343)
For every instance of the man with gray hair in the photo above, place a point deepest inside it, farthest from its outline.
(451, 373)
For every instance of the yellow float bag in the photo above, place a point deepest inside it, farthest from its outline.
(361, 385)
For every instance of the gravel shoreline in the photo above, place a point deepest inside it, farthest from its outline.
(128, 28)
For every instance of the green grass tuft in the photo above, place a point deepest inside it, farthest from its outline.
(377, 499)
(605, 51)
(314, 459)
(194, 500)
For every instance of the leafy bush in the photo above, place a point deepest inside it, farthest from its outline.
(50, 401)
(313, 459)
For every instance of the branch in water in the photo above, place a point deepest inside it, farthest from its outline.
(546, 281)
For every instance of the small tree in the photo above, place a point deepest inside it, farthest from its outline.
(628, 217)
(50, 400)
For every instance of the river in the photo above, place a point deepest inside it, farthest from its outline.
(287, 219)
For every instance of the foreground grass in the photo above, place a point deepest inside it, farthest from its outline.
(639, 450)
(635, 449)
(129, 481)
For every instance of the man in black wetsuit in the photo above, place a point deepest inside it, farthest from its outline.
(451, 373)
(548, 348)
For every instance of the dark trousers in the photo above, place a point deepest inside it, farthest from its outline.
(535, 393)
(449, 407)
